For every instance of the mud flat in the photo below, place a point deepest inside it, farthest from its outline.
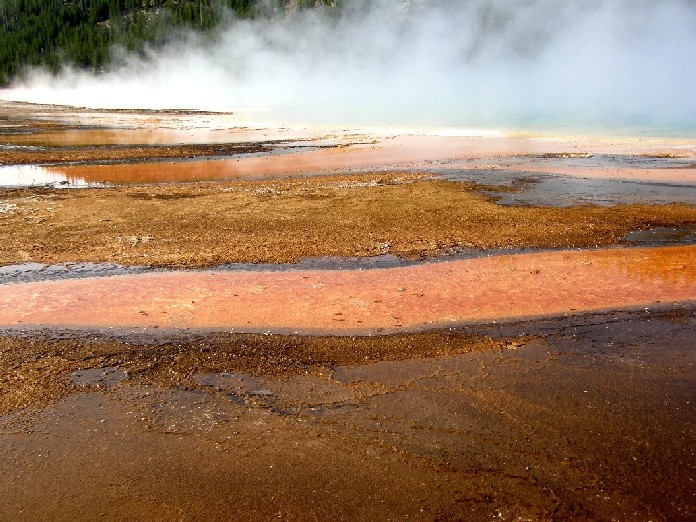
(478, 335)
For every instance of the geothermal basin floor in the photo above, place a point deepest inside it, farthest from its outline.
(553, 385)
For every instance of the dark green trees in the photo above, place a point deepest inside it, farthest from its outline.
(50, 33)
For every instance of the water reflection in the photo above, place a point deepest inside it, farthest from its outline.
(33, 176)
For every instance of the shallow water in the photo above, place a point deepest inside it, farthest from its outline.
(662, 235)
(36, 176)
(640, 159)
(107, 377)
(28, 272)
(530, 188)
(540, 171)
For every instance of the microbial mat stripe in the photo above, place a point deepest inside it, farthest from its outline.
(344, 301)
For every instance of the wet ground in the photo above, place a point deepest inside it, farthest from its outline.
(284, 221)
(590, 417)
(502, 325)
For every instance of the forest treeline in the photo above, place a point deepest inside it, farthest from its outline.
(51, 33)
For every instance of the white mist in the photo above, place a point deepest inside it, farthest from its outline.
(495, 63)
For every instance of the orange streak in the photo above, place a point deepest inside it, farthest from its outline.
(406, 152)
(402, 152)
(414, 297)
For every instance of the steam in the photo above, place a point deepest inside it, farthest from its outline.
(495, 63)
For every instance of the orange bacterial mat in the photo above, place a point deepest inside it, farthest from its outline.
(362, 301)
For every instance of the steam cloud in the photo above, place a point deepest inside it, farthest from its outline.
(495, 63)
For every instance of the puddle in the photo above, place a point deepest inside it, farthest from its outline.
(35, 176)
(389, 373)
(107, 377)
(568, 180)
(606, 164)
(532, 188)
(315, 395)
(560, 191)
(603, 161)
(251, 167)
(241, 389)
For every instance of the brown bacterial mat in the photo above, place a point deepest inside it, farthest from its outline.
(198, 225)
